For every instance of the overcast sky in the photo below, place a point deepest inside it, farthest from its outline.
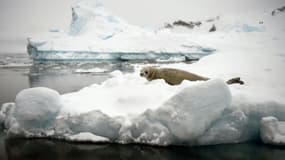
(20, 19)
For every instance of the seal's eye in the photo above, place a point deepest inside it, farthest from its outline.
(146, 72)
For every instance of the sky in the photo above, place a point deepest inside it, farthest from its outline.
(20, 19)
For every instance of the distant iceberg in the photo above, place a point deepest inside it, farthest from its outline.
(96, 34)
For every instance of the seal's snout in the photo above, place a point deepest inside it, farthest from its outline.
(145, 72)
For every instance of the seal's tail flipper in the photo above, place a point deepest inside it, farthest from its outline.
(235, 80)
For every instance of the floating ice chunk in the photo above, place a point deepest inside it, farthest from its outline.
(177, 58)
(272, 131)
(86, 137)
(37, 107)
(92, 70)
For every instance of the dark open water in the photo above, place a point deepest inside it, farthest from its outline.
(19, 149)
(18, 72)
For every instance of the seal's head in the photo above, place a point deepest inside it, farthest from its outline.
(147, 72)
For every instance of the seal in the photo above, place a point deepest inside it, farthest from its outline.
(176, 76)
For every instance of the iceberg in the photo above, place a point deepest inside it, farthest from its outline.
(97, 34)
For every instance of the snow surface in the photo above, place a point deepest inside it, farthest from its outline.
(128, 109)
(127, 94)
(37, 107)
(272, 131)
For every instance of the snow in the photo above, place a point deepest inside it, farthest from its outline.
(37, 107)
(5, 115)
(272, 131)
(134, 99)
(128, 109)
(94, 122)
(184, 116)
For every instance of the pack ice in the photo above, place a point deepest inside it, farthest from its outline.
(97, 34)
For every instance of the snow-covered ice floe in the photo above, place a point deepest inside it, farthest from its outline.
(97, 34)
(177, 118)
(193, 113)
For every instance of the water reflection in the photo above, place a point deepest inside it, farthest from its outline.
(47, 149)
(68, 77)
(61, 76)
